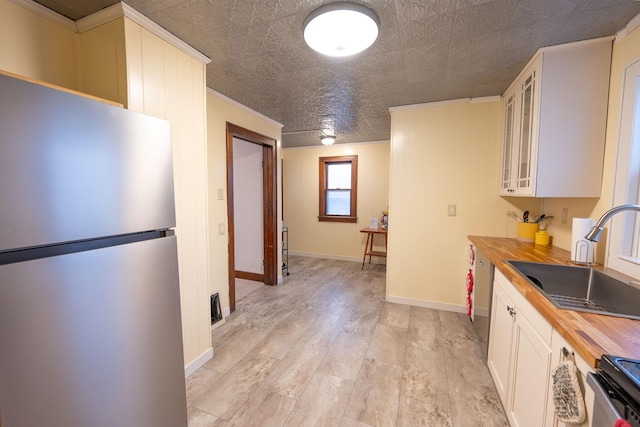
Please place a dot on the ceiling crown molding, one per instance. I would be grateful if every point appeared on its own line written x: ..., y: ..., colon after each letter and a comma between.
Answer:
x: 122, y: 9
x: 632, y: 25
x: 108, y: 14
x: 46, y: 13
x: 101, y: 17
x: 243, y: 107
x: 478, y: 100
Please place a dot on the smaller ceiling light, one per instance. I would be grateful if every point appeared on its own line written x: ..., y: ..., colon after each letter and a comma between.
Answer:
x: 328, y: 139
x: 341, y: 29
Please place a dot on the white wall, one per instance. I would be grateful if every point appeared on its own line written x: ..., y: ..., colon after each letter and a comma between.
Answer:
x: 248, y: 206
x: 310, y: 237
x: 221, y: 110
x: 441, y: 154
x: 170, y: 84
x: 33, y: 46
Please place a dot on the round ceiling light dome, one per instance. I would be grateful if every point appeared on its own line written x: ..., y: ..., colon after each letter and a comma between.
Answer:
x: 341, y: 29
x: 328, y: 139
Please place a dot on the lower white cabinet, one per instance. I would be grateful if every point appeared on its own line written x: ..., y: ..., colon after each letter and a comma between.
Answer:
x: 520, y: 356
x: 500, y: 340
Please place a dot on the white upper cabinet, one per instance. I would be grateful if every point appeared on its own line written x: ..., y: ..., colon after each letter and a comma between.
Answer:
x: 555, y: 115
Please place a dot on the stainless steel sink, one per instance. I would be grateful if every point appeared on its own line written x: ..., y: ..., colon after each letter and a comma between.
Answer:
x: 582, y: 288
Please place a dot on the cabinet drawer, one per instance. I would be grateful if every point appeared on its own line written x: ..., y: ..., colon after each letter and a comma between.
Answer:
x: 524, y: 308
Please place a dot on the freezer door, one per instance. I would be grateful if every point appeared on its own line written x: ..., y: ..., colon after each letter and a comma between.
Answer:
x: 72, y: 168
x: 93, y: 339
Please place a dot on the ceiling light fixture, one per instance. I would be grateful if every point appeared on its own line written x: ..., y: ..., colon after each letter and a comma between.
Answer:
x: 327, y: 139
x: 341, y: 29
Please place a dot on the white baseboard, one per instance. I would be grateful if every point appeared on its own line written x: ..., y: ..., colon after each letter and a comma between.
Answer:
x: 428, y: 304
x: 193, y: 366
x: 218, y: 323
x: 484, y: 312
x: 374, y: 260
x: 226, y: 312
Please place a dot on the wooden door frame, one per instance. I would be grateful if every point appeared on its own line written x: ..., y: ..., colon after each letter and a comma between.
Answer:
x: 269, y: 212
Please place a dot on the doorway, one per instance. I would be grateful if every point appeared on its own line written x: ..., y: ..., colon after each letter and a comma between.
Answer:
x: 260, y: 151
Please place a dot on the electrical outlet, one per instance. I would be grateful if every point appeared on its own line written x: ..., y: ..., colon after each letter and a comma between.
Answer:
x: 220, y: 194
x: 565, y: 214
x: 451, y: 210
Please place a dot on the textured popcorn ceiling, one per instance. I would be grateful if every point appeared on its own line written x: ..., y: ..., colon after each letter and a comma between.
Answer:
x: 427, y: 50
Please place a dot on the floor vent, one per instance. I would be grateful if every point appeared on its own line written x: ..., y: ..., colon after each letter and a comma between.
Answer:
x: 216, y: 312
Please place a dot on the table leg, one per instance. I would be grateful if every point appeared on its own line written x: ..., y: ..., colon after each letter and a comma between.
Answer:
x: 371, y: 247
x: 366, y: 245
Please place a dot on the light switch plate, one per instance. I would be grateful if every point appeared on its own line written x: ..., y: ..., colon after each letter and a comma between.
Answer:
x: 221, y: 228
x: 451, y: 210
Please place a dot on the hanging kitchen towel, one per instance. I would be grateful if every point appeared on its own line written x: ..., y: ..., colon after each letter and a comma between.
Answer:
x: 567, y: 396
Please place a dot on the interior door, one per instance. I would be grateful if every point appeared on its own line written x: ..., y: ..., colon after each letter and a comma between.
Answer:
x: 269, y: 206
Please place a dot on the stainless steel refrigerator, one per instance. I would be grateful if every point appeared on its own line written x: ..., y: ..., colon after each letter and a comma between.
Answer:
x: 90, y: 325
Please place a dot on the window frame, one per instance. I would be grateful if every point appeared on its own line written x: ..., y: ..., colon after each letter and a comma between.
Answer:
x: 620, y: 239
x: 324, y: 162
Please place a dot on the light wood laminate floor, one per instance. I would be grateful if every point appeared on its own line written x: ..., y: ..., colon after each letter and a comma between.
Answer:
x: 325, y: 349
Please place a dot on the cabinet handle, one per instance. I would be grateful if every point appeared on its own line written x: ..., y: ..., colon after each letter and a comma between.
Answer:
x: 511, y: 310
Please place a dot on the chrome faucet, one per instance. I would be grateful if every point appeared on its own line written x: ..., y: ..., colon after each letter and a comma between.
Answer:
x: 596, y: 231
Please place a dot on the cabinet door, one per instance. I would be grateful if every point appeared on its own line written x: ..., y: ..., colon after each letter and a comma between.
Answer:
x: 500, y: 339
x: 508, y: 147
x: 526, y: 114
x: 530, y: 376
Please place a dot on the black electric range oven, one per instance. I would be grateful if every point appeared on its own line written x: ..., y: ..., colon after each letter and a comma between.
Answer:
x: 616, y: 386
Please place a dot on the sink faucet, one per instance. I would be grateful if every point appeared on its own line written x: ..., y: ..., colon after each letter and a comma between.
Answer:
x: 596, y: 231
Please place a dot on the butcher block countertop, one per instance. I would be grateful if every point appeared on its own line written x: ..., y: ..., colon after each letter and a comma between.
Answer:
x: 591, y: 335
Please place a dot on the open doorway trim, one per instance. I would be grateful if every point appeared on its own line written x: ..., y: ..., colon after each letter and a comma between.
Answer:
x: 269, y: 206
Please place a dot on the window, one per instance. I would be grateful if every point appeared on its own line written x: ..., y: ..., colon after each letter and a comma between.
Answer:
x: 338, y: 189
x: 624, y: 243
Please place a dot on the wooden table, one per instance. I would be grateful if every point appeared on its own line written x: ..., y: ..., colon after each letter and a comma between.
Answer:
x: 368, y: 247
